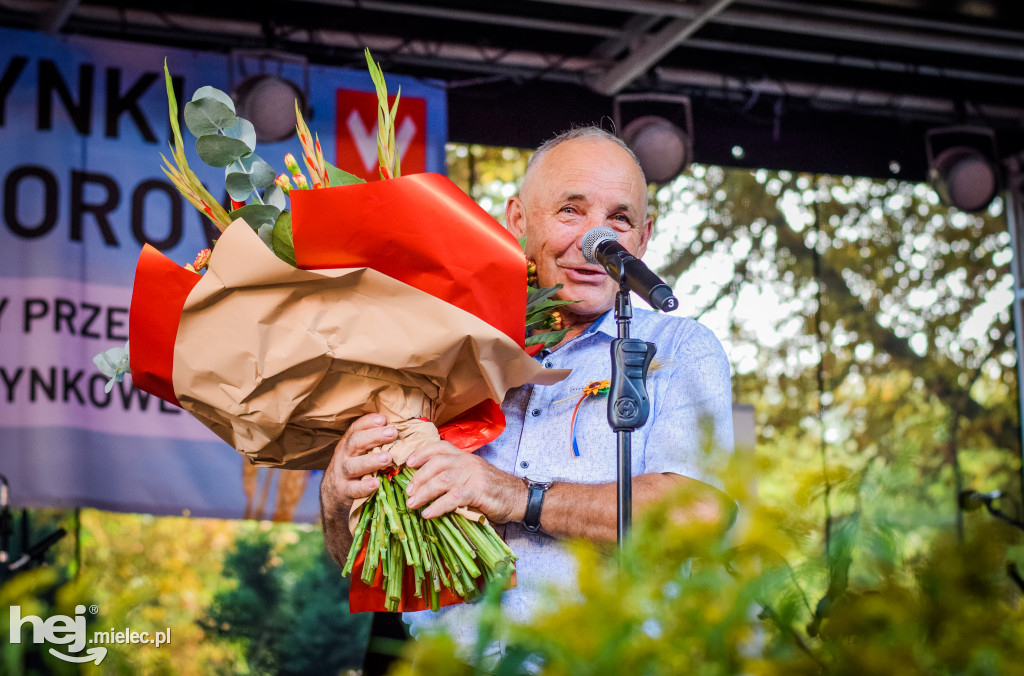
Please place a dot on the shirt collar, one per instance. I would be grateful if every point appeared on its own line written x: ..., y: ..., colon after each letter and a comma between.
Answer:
x: 605, y: 324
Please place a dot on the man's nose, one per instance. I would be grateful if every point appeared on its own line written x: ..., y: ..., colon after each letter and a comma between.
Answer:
x: 591, y: 221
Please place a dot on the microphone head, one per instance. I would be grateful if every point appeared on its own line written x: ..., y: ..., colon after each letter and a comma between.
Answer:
x: 594, y: 237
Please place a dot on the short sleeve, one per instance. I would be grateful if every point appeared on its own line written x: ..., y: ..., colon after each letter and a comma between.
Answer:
x: 693, y: 408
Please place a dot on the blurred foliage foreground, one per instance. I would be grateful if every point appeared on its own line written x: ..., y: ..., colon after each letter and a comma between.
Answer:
x: 682, y: 601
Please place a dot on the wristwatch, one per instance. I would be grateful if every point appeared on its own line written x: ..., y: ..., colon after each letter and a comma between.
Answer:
x: 536, y: 485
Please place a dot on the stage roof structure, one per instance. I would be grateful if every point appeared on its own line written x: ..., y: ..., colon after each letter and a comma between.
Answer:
x: 850, y: 86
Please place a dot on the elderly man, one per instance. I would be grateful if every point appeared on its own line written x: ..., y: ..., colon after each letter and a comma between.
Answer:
x: 529, y: 479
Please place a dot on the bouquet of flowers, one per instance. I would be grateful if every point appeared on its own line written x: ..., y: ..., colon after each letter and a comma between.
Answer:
x: 300, y: 320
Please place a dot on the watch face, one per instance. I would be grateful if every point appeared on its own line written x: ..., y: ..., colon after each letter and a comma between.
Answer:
x: 539, y: 480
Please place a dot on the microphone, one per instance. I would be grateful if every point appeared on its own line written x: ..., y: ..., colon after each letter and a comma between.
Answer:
x: 601, y: 246
x: 36, y: 551
x: 970, y: 500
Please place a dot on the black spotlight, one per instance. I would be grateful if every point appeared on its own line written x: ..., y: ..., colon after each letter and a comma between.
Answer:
x: 268, y: 101
x: 266, y: 97
x: 658, y: 129
x: 963, y: 167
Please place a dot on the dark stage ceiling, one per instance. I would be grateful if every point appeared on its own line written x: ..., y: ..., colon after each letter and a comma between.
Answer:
x: 842, y: 87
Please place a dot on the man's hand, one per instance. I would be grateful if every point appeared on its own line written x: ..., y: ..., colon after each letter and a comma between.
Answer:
x: 347, y: 478
x: 452, y: 478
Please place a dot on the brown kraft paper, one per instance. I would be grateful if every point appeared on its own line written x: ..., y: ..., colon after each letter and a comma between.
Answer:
x: 279, y: 361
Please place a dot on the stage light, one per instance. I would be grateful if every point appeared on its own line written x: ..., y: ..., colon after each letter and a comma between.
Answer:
x: 268, y: 101
x: 963, y: 167
x: 265, y: 92
x: 658, y: 129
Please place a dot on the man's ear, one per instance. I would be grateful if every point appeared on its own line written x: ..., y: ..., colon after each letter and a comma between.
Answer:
x: 515, y: 217
x: 645, y: 236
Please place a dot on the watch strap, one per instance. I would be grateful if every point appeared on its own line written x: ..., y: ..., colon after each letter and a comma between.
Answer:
x: 534, y: 503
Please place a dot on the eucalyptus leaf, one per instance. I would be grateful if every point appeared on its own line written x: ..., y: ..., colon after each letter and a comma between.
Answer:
x: 256, y: 215
x: 262, y: 173
x: 266, y: 233
x: 242, y: 130
x: 274, y: 196
x: 215, y: 94
x: 239, y: 186
x: 208, y: 116
x: 220, y: 151
x: 337, y: 176
x: 284, y: 247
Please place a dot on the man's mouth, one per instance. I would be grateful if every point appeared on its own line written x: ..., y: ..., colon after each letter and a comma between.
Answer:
x: 584, y: 274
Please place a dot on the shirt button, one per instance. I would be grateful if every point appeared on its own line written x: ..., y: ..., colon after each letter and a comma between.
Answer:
x: 547, y: 364
x: 535, y: 412
x: 524, y: 464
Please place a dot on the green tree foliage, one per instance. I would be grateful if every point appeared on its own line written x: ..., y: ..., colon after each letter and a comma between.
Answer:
x: 151, y: 574
x: 287, y: 609
x: 683, y: 600
x: 42, y: 592
x: 888, y: 324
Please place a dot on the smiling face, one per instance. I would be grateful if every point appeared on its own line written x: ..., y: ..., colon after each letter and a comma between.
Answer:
x: 578, y: 185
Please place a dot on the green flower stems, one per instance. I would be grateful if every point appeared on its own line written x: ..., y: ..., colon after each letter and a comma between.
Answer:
x: 449, y: 551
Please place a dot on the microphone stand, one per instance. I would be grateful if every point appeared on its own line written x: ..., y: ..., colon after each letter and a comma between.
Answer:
x: 628, y: 405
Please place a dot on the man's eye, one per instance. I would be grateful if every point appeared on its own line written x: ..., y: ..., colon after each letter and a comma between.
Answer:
x: 568, y: 209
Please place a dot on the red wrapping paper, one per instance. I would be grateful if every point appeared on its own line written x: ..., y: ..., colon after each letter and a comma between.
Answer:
x: 421, y: 230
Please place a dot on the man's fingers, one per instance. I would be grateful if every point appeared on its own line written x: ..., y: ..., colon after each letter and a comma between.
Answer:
x: 427, y: 476
x: 367, y: 421
x: 362, y: 488
x: 360, y: 465
x: 360, y: 441
x: 448, y: 502
x: 431, y: 450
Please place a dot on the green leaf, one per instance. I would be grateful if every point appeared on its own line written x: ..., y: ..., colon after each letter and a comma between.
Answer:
x: 239, y: 186
x: 220, y: 151
x: 208, y: 116
x: 262, y: 173
x: 274, y: 196
x: 266, y: 234
x: 172, y: 109
x: 282, y: 239
x: 242, y: 130
x: 534, y: 296
x: 215, y: 94
x: 248, y: 174
x: 548, y: 338
x: 341, y: 177
x: 256, y: 214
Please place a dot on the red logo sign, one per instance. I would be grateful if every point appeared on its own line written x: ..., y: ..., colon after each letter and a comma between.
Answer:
x: 357, y: 133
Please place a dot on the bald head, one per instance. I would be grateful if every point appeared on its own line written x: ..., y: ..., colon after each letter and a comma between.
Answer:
x: 588, y: 133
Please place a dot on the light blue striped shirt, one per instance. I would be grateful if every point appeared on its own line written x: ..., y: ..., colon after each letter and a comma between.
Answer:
x: 689, y: 386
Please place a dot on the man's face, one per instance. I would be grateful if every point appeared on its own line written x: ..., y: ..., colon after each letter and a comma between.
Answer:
x: 580, y: 185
